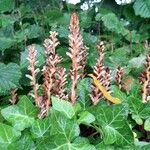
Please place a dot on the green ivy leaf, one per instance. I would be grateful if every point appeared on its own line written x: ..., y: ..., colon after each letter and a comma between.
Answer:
x: 6, y: 5
x: 119, y: 94
x: 27, y: 106
x: 61, y: 125
x: 40, y: 127
x: 60, y: 143
x: 83, y: 89
x: 147, y: 124
x: 86, y: 118
x: 142, y: 8
x: 138, y: 109
x: 63, y: 106
x: 102, y: 146
x: 137, y: 119
x: 7, y: 135
x: 9, y: 77
x: 25, y: 143
x: 21, y: 115
x: 114, y: 126
x: 7, y: 20
x: 139, y: 145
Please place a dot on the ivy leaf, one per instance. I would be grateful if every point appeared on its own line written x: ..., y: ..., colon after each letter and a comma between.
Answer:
x: 21, y: 116
x: 7, y: 20
x: 113, y: 124
x: 118, y: 93
x: 103, y: 146
x: 19, y: 120
x: 6, y: 5
x: 59, y: 143
x: 142, y: 8
x: 63, y: 106
x: 139, y: 145
x: 40, y: 127
x: 147, y: 124
x: 25, y: 143
x: 63, y: 126
x: 9, y: 77
x: 86, y: 118
x: 7, y: 135
x: 83, y: 89
x: 138, y: 109
x: 27, y: 106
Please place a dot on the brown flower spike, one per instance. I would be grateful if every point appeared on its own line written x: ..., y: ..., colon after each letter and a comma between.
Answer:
x: 52, y: 59
x: 102, y: 74
x: 33, y: 70
x: 53, y: 76
x: 145, y: 80
x: 119, y: 77
x: 77, y: 53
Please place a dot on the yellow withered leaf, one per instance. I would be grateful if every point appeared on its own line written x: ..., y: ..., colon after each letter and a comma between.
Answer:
x: 104, y: 91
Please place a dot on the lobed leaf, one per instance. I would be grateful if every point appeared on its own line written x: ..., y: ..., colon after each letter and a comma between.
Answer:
x: 22, y: 115
x: 63, y: 106
x: 114, y: 126
x: 9, y: 77
x: 7, y: 135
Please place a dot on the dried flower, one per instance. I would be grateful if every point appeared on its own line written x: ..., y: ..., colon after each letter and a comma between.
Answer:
x: 33, y: 70
x: 13, y: 96
x: 119, y: 77
x: 77, y: 53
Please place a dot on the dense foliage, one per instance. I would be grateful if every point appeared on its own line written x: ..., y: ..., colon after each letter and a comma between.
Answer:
x: 83, y: 126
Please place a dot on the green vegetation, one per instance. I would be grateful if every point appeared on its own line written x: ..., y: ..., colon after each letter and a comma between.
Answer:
x: 48, y: 101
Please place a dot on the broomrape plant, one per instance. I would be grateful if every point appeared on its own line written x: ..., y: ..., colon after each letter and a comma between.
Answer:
x: 54, y: 77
